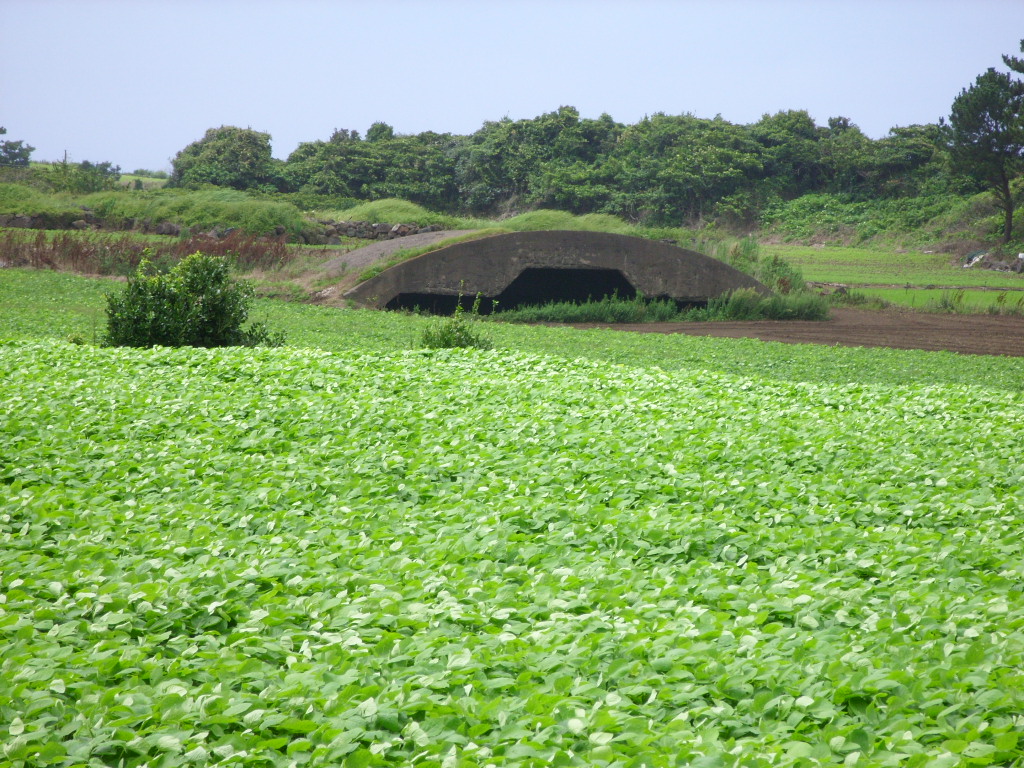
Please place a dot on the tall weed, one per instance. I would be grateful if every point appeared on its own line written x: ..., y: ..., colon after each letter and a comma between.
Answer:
x: 608, y: 309
x: 1003, y: 307
x: 457, y: 331
x: 103, y: 254
x: 743, y: 304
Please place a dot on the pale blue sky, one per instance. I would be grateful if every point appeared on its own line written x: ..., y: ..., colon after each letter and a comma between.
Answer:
x: 134, y: 81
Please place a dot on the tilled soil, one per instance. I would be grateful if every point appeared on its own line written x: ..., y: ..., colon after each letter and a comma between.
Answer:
x: 966, y: 334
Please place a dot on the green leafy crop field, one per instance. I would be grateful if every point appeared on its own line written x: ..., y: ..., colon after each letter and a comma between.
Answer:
x: 54, y: 305
x: 356, y: 553
x: 283, y: 557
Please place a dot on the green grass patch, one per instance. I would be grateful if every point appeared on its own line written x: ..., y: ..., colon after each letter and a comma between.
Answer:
x: 54, y: 210
x: 201, y: 210
x: 867, y: 266
x: 911, y: 220
x: 609, y: 309
x: 394, y: 211
x: 747, y: 304
x: 737, y: 305
x: 545, y: 219
x: 137, y: 181
x: 967, y: 301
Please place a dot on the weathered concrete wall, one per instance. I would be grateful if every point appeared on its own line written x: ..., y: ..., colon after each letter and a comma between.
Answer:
x: 487, y: 266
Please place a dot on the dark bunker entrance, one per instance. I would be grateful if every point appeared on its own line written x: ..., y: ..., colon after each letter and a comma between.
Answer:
x: 534, y: 286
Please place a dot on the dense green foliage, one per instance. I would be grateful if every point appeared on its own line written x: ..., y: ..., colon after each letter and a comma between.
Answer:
x: 228, y: 157
x: 77, y: 178
x: 277, y: 557
x: 196, y: 304
x: 843, y: 218
x: 664, y: 170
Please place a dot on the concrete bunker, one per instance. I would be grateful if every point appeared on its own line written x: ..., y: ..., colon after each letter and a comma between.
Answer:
x: 540, y: 267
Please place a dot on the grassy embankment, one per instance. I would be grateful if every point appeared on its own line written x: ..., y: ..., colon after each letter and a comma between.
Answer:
x: 877, y: 249
x: 909, y: 252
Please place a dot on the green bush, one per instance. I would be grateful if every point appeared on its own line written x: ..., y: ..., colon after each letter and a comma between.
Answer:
x: 196, y: 304
x: 456, y: 331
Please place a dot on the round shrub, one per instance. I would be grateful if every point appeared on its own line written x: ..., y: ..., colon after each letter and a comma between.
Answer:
x: 196, y: 304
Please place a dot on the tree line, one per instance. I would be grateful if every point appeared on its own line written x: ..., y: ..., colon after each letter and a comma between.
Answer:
x: 663, y: 170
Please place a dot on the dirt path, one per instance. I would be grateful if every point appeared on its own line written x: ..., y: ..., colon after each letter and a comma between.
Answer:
x: 363, y: 257
x: 966, y: 334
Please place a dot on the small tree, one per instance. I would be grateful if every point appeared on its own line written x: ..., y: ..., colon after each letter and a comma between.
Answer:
x: 196, y: 304
x: 987, y: 137
x: 14, y: 153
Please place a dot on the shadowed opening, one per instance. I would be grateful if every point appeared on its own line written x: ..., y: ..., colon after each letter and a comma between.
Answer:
x: 543, y: 285
x: 534, y: 286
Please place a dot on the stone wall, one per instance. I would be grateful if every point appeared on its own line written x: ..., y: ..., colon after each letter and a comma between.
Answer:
x: 367, y: 230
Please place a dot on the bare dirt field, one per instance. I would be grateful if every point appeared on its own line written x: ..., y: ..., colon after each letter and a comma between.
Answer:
x: 966, y: 334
